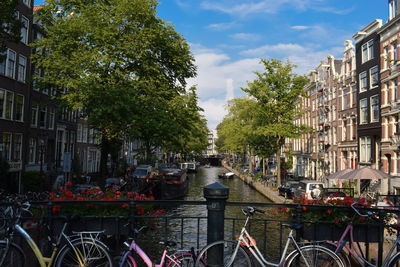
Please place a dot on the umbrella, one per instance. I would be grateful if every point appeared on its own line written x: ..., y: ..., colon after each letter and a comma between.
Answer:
x: 365, y: 173
x: 339, y: 174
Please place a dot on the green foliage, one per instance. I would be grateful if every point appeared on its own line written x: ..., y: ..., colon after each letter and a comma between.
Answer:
x: 10, y: 25
x: 124, y: 67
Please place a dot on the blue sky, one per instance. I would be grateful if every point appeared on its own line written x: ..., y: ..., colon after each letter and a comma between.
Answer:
x: 228, y: 38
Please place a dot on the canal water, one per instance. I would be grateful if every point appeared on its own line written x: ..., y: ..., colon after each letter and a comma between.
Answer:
x: 192, y: 231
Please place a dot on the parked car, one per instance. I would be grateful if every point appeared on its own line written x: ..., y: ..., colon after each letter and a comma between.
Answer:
x: 142, y: 171
x: 309, y: 189
x: 287, y: 189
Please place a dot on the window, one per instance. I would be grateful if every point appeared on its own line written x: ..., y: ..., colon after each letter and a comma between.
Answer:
x: 365, y: 149
x: 51, y: 118
x: 19, y: 108
x: 6, y: 104
x: 363, y: 111
x: 344, y: 130
x: 3, y: 63
x: 394, y: 52
x: 10, y: 69
x: 363, y: 81
x: 32, y: 150
x: 34, y: 120
x: 387, y: 93
x: 79, y: 133
x: 392, y: 9
x: 24, y: 30
x: 84, y: 134
x: 375, y: 108
x: 7, y: 146
x: 374, y: 79
x: 21, y: 68
x: 367, y: 51
x: 396, y: 91
x: 386, y: 57
x: 354, y: 88
x: 17, y: 147
x: 345, y: 98
x: 43, y: 117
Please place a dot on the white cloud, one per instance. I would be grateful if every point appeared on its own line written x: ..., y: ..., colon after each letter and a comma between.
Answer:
x: 270, y: 6
x: 214, y: 111
x: 246, y: 36
x: 221, y: 26
x: 300, y: 27
x: 280, y: 49
x: 230, y: 94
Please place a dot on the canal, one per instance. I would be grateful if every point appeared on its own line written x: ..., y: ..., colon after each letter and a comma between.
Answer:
x: 192, y: 231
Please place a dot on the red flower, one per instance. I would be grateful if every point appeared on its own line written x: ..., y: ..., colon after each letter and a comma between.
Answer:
x: 140, y: 211
x: 329, y: 211
x: 69, y: 183
x: 125, y: 205
x: 130, y: 194
x: 304, y: 208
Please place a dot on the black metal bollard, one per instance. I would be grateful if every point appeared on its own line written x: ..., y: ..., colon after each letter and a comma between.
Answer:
x: 216, y: 195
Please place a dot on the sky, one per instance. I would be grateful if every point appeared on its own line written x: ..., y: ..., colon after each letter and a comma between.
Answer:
x: 229, y: 37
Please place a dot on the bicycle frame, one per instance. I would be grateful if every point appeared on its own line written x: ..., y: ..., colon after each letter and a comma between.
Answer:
x: 47, y: 261
x: 355, y: 252
x: 135, y: 247
x: 244, y: 237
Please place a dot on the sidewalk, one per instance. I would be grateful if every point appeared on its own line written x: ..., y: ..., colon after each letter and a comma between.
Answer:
x: 260, y: 187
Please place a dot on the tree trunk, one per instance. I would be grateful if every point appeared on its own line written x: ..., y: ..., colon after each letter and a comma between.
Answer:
x: 278, y: 165
x: 104, y: 157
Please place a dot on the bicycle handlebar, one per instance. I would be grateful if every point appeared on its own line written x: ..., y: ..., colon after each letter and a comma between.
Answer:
x: 251, y: 210
x: 369, y: 213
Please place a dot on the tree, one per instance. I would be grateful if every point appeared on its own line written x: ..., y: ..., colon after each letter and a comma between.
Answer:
x: 115, y: 60
x: 276, y: 91
x: 10, y: 25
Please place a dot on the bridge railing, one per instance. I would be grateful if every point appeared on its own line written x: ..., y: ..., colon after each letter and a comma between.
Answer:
x: 209, y: 223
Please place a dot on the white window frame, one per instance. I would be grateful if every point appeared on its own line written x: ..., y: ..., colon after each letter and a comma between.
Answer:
x: 21, y: 108
x: 34, y: 113
x: 363, y: 110
x: 365, y: 149
x: 32, y: 151
x: 24, y: 30
x: 7, y: 107
x: 52, y: 116
x: 372, y: 85
x: 367, y: 51
x: 44, y: 110
x: 27, y: 2
x: 21, y: 68
x: 8, y: 67
x: 6, y: 153
x: 17, y: 148
x: 373, y: 118
x: 363, y: 75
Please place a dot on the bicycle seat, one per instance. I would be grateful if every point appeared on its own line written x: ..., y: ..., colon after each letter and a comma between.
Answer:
x: 295, y: 226
x: 168, y: 243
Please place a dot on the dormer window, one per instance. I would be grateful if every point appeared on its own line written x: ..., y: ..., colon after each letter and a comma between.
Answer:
x: 392, y: 9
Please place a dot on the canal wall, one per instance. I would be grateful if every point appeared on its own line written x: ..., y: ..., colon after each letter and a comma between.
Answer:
x: 260, y: 187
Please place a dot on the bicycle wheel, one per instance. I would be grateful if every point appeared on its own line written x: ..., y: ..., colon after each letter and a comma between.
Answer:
x: 92, y: 252
x: 14, y: 256
x: 207, y: 255
x: 315, y: 256
x: 395, y: 261
x: 344, y: 257
x: 127, y: 261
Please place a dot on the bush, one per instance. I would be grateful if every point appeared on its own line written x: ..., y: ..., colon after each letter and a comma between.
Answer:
x: 31, y: 181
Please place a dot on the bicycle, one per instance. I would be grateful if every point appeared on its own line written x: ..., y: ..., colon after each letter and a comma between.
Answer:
x: 181, y: 259
x: 81, y: 249
x: 238, y: 252
x: 347, y: 251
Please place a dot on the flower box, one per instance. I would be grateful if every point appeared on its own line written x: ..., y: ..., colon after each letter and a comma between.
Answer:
x: 333, y: 232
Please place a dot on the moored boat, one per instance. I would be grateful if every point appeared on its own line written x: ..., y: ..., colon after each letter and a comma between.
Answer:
x: 226, y: 175
x: 170, y: 183
x: 189, y: 166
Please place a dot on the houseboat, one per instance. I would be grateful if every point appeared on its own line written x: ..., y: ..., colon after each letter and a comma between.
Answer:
x: 226, y: 175
x: 170, y: 183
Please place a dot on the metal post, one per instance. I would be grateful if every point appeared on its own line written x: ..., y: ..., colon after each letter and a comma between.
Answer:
x: 216, y: 195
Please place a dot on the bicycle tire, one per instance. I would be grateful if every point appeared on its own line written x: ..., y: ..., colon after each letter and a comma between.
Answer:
x: 242, y: 259
x: 395, y: 260
x: 14, y: 257
x: 343, y: 255
x: 93, y: 252
x: 315, y: 255
x: 127, y: 260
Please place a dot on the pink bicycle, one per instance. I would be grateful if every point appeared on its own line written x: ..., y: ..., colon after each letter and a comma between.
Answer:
x: 181, y: 259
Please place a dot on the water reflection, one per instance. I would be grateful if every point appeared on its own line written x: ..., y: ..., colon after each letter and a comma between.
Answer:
x: 193, y: 231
